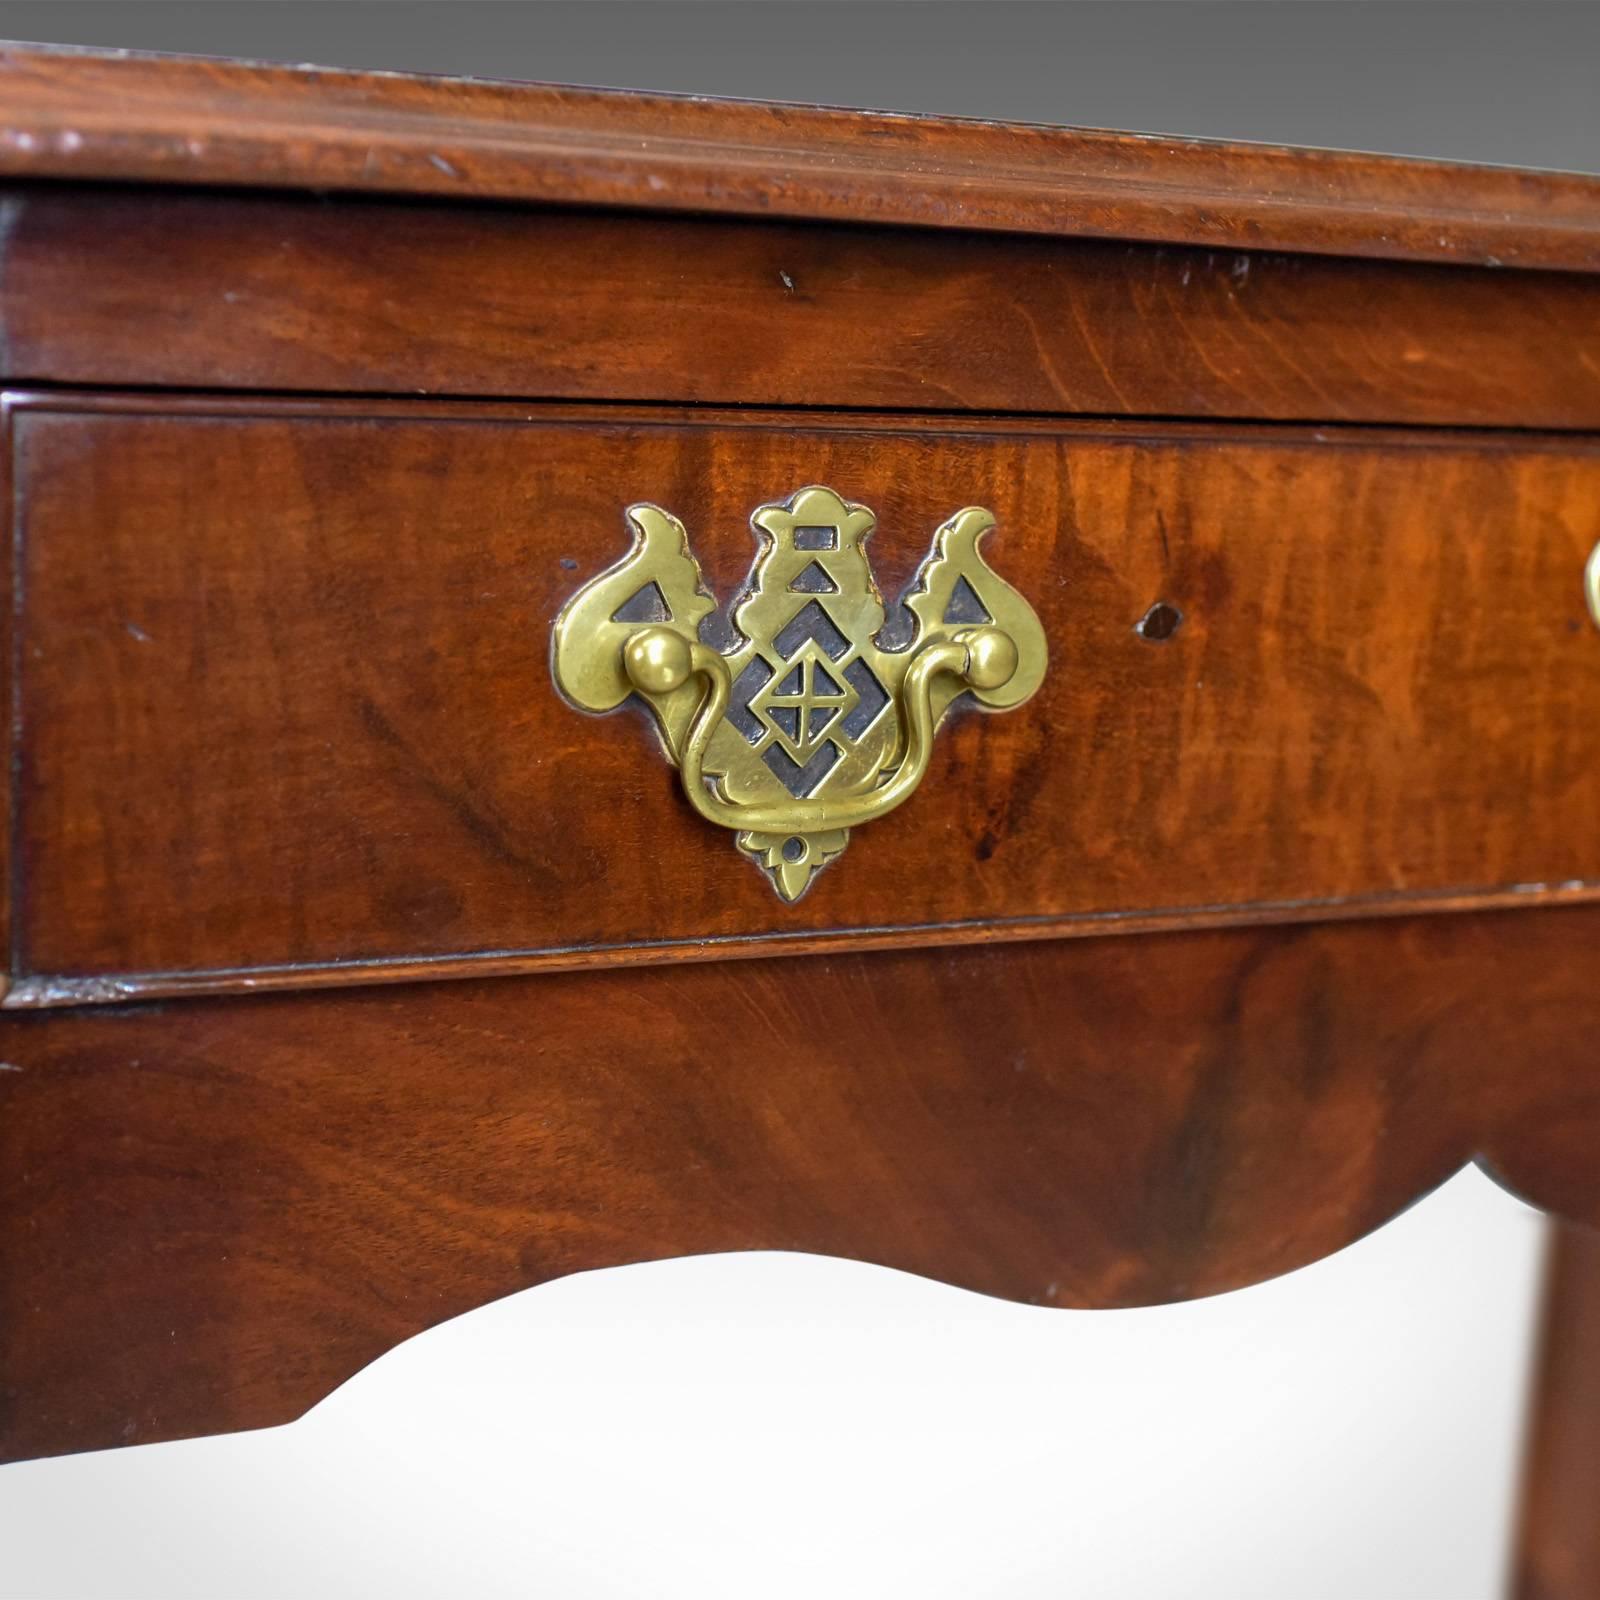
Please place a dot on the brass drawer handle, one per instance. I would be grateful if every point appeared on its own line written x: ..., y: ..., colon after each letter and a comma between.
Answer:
x: 1591, y: 584
x: 808, y: 727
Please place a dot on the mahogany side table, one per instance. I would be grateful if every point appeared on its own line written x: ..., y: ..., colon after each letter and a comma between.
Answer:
x: 1102, y: 803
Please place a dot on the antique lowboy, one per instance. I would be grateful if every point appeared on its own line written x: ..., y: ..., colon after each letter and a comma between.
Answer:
x: 368, y: 438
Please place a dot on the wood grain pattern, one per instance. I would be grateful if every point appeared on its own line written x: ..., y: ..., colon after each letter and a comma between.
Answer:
x: 1558, y: 1537
x: 281, y: 714
x: 262, y: 292
x: 285, y: 699
x: 126, y: 117
x: 219, y: 1209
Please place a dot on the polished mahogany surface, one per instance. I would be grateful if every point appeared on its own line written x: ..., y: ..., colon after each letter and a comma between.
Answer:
x: 1558, y: 1550
x: 220, y: 1208
x: 283, y: 686
x: 324, y: 391
x: 265, y: 291
x: 87, y: 115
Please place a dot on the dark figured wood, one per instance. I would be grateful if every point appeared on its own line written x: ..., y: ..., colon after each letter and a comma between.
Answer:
x: 77, y: 114
x: 279, y: 715
x: 263, y: 292
x: 285, y: 701
x: 217, y: 1210
x: 1558, y: 1544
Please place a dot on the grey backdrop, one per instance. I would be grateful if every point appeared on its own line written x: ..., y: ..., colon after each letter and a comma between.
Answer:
x: 1512, y: 83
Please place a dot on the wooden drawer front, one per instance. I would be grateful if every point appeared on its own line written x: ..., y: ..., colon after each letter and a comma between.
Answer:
x: 454, y: 300
x: 284, y: 698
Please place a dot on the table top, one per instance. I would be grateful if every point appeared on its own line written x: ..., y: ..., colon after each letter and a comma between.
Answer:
x: 126, y: 117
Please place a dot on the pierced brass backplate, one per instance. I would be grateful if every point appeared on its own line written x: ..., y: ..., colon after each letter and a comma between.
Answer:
x: 809, y: 727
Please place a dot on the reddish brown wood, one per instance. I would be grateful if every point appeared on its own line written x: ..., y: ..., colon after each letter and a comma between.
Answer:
x: 1558, y: 1549
x: 284, y: 685
x: 280, y: 715
x: 174, y: 120
x: 282, y: 293
x: 217, y: 1210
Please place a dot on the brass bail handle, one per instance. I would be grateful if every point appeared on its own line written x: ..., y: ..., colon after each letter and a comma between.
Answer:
x: 659, y: 660
x: 808, y: 725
